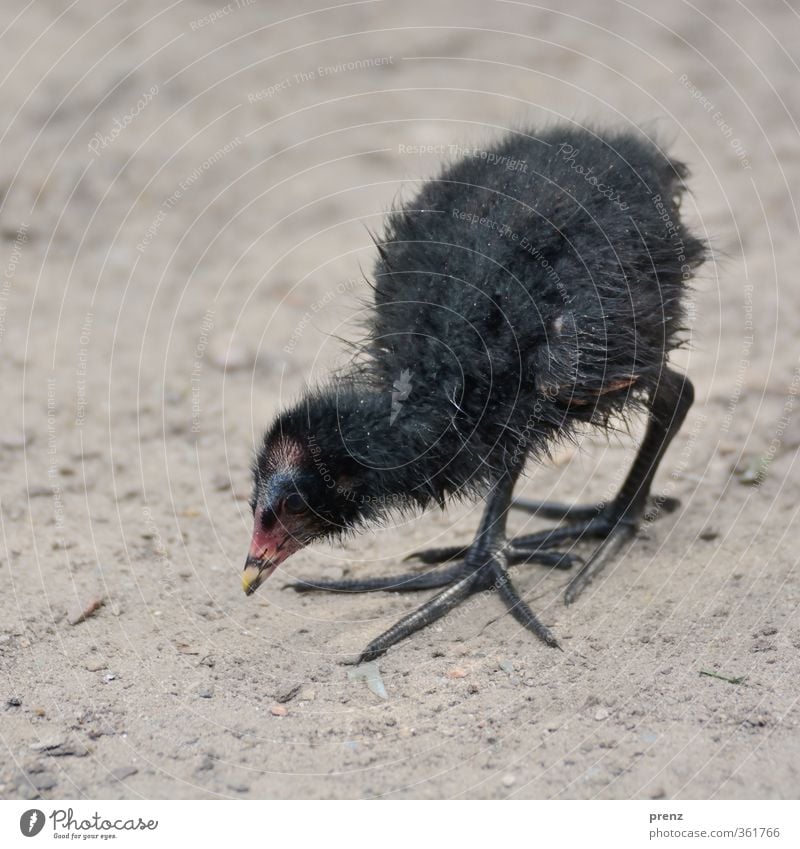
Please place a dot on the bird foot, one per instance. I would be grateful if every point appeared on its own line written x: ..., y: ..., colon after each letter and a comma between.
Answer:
x: 605, y: 522
x: 478, y: 571
x: 480, y: 568
x: 588, y: 520
x: 514, y: 550
x: 654, y: 507
x: 613, y: 523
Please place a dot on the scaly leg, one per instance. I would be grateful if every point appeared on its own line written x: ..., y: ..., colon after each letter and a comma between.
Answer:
x: 669, y: 405
x: 616, y: 522
x: 483, y: 567
x: 390, y: 583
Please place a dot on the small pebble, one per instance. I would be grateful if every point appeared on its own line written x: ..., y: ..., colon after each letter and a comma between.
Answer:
x: 17, y: 440
x: 14, y: 701
x: 601, y: 715
x: 48, y: 744
x: 221, y: 483
x: 370, y: 673
x: 456, y: 672
x: 83, y: 611
x: 43, y: 781
x: 123, y: 772
x: 230, y: 357
x: 288, y: 694
x: 205, y: 693
x: 509, y: 780
x: 59, y: 747
x: 506, y: 665
x: 278, y: 710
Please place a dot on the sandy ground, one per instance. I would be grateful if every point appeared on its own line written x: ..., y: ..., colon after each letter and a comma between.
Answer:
x: 186, y: 192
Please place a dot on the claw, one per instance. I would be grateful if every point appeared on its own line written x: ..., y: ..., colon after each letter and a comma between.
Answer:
x: 553, y: 559
x: 606, y: 552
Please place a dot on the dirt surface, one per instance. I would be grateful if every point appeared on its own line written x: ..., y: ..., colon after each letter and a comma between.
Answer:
x: 186, y: 192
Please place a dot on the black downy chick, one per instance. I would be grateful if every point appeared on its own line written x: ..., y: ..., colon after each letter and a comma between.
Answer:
x: 532, y: 287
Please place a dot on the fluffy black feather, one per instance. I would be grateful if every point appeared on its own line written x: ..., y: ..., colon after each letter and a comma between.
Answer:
x: 532, y: 286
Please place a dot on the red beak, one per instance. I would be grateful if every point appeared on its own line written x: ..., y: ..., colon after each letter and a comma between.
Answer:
x: 268, y: 549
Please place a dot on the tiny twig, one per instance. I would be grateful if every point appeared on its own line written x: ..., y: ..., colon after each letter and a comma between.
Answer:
x: 739, y: 680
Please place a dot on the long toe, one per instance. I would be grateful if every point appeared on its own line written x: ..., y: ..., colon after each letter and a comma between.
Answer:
x: 389, y: 583
x: 574, y: 532
x: 558, y: 510
x: 551, y: 559
x: 432, y: 610
x: 605, y: 553
x: 439, y: 555
x: 520, y: 609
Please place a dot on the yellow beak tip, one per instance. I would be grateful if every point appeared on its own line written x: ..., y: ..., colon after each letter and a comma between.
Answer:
x: 250, y: 579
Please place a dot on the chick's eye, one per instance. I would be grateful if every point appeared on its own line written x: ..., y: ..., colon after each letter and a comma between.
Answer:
x: 294, y: 503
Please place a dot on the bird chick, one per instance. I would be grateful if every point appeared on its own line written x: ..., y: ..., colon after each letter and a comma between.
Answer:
x: 532, y: 288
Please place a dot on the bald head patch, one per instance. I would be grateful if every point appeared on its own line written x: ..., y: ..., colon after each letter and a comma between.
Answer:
x: 285, y: 453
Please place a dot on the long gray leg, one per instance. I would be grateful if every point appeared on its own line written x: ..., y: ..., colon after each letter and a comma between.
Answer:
x: 437, y: 607
x: 485, y: 569
x: 669, y: 405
